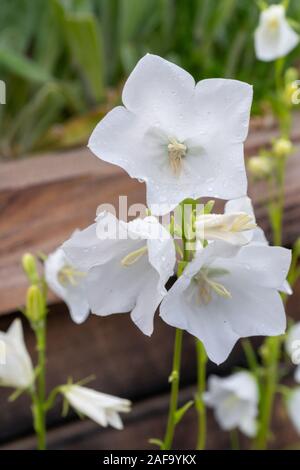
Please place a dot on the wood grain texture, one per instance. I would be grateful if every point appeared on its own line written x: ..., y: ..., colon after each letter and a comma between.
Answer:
x: 44, y: 199
x: 147, y: 420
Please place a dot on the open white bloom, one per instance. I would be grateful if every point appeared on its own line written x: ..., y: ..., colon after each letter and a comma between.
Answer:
x: 16, y: 368
x: 182, y: 139
x: 274, y: 37
x: 235, y: 226
x: 256, y: 236
x: 235, y: 401
x: 102, y: 408
x: 68, y: 283
x: 292, y: 346
x: 127, y: 271
x: 229, y: 292
x: 293, y: 408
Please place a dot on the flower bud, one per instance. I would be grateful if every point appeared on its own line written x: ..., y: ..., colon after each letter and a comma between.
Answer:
x: 282, y: 147
x: 259, y: 167
x: 30, y: 268
x: 291, y: 75
x: 35, y: 304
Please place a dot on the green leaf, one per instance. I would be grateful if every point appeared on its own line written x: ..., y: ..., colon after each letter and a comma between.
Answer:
x: 22, y: 66
x: 84, y: 39
x: 181, y: 411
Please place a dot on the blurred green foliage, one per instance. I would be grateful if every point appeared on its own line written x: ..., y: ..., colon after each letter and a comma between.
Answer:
x: 58, y: 57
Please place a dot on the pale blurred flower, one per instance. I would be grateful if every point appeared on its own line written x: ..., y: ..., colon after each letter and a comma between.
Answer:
x: 282, y: 147
x: 229, y: 292
x: 274, y: 37
x: 16, y: 368
x: 292, y: 346
x: 102, y: 408
x: 68, y: 283
x: 293, y: 408
x: 260, y: 167
x: 235, y: 401
x: 126, y: 273
x: 182, y: 139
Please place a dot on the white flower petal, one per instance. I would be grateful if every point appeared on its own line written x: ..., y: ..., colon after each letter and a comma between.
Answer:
x: 73, y: 295
x: 248, y: 422
x: 119, y: 139
x: 253, y: 274
x: 100, y: 407
x: 292, y: 341
x: 147, y: 302
x: 243, y: 384
x: 16, y: 370
x: 242, y: 204
x: 113, y: 288
x: 209, y: 120
x: 297, y: 374
x: 223, y: 110
x: 205, y: 322
x: 269, y: 263
x: 98, y: 243
x: 235, y: 401
x: 114, y: 420
x: 160, y: 92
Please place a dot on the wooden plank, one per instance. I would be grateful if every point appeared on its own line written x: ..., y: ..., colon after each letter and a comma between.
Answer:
x: 148, y: 420
x: 126, y: 363
x: 43, y: 199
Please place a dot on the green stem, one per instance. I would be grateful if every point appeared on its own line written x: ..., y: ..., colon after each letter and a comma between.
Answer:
x: 250, y: 355
x: 40, y: 331
x: 234, y: 440
x: 201, y: 386
x: 272, y: 346
x: 174, y: 378
x: 269, y: 390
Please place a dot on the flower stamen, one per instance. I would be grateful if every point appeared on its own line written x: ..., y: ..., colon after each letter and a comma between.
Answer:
x: 134, y: 256
x: 243, y: 222
x: 68, y: 275
x: 176, y: 152
x: 207, y: 284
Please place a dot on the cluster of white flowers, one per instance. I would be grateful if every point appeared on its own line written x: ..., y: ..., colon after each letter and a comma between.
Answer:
x: 184, y: 140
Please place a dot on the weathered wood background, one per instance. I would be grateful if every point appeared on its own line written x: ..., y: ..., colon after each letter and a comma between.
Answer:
x: 42, y: 200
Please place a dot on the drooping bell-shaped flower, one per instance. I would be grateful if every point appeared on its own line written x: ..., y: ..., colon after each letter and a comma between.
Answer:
x: 102, y: 408
x: 68, y: 283
x: 16, y: 368
x: 274, y: 37
x: 127, y: 266
x: 229, y: 292
x: 182, y: 139
x: 235, y: 401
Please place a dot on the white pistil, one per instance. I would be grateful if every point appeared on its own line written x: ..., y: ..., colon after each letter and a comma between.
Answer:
x: 68, y: 275
x: 207, y: 283
x: 176, y: 152
x: 134, y: 256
